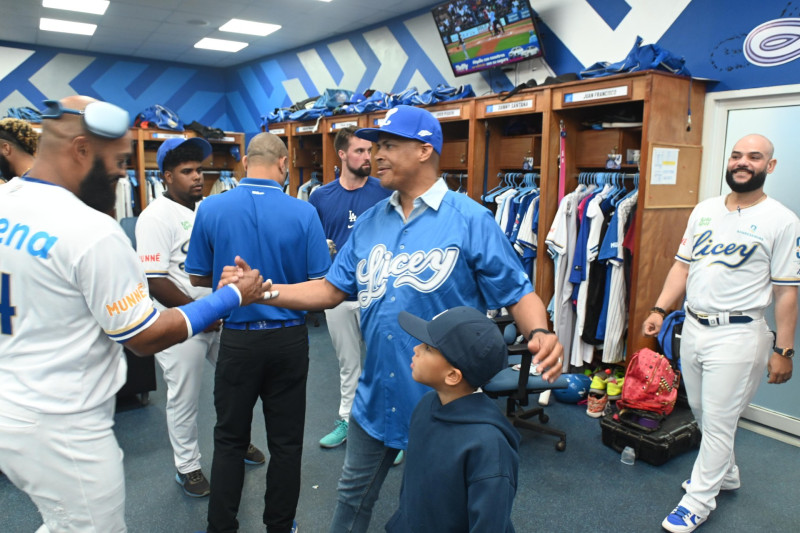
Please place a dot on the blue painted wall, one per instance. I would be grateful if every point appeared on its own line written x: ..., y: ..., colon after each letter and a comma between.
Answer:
x: 740, y: 43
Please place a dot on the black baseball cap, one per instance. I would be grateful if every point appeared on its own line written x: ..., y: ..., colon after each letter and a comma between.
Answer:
x: 467, y: 338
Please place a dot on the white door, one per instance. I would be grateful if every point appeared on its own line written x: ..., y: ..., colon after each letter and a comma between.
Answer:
x: 780, y: 125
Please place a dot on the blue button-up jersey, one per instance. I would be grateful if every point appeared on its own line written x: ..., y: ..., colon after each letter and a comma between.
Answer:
x: 449, y: 253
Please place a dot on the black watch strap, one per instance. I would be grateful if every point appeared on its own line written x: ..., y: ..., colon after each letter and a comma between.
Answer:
x: 786, y: 352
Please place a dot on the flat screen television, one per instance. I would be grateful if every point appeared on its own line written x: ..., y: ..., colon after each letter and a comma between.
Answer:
x: 484, y: 34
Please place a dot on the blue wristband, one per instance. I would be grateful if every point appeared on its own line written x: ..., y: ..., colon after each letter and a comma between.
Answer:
x: 203, y: 312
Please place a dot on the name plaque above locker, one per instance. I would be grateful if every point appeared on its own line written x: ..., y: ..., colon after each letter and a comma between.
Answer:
x: 306, y: 129
x: 278, y: 131
x: 168, y: 136
x: 597, y: 94
x: 228, y: 139
x: 339, y: 125
x: 509, y: 106
x: 447, y: 113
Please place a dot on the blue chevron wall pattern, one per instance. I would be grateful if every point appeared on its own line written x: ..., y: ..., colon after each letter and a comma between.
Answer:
x: 741, y: 46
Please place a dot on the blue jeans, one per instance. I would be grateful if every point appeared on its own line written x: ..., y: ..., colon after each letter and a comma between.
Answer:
x: 366, y: 463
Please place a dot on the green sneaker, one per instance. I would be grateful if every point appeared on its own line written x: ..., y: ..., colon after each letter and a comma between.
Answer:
x: 399, y: 458
x: 336, y: 437
x: 599, y: 380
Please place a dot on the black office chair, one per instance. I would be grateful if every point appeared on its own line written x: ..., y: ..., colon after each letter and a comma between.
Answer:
x: 517, y: 386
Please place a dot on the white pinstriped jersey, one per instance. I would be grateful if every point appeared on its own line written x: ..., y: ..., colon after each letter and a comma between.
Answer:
x: 162, y: 242
x: 71, y: 286
x: 736, y: 256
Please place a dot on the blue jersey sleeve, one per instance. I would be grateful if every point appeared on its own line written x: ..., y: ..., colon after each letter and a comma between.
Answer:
x: 318, y: 256
x: 501, y: 278
x: 341, y: 272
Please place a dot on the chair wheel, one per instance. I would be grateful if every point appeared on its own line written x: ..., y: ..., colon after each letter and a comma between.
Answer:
x: 543, y: 418
x: 561, y: 445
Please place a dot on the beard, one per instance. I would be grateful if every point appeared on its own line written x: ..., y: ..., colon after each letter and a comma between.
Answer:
x: 5, y: 168
x: 361, y: 172
x: 98, y: 189
x: 756, y: 181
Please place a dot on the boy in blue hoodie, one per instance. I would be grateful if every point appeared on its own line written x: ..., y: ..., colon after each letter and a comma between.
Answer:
x: 462, y: 461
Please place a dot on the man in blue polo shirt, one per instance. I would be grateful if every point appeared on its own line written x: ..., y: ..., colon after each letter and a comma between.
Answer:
x: 263, y: 350
x: 427, y: 249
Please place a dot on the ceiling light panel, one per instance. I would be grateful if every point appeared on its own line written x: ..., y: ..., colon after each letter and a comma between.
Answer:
x: 66, y: 26
x: 221, y: 45
x: 249, y: 27
x: 96, y: 7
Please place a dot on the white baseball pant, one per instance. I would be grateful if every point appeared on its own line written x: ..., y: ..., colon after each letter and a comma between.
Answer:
x: 183, y: 366
x: 722, y: 367
x: 69, y: 464
x: 344, y: 326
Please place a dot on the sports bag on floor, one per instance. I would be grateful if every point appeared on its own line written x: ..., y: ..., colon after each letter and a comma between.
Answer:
x: 651, y: 384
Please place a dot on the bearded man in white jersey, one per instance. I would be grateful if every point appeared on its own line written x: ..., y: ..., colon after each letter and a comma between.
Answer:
x: 71, y: 292
x: 162, y: 241
x: 739, y: 251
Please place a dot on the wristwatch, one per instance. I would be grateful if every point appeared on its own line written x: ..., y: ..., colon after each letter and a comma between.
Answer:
x: 786, y: 352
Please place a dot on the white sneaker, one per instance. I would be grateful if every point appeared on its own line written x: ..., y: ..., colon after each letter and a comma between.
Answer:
x: 682, y: 520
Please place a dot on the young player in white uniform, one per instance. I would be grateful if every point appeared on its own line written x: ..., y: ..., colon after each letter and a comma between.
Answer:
x: 738, y: 252
x: 162, y: 242
x: 71, y: 289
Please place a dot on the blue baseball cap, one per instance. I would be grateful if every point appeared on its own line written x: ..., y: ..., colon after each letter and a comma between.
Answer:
x: 409, y: 122
x: 469, y: 341
x: 174, y: 142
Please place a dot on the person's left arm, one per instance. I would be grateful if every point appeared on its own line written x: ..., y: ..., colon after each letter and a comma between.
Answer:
x: 531, y: 316
x: 489, y: 503
x: 780, y: 367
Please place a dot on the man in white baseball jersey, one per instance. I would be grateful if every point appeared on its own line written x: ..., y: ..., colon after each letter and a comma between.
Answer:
x: 71, y: 291
x: 339, y: 204
x: 162, y: 237
x: 739, y: 251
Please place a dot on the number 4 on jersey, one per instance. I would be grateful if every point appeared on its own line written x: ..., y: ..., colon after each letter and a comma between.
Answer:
x: 7, y: 311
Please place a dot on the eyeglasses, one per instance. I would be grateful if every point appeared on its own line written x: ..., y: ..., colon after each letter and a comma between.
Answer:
x: 100, y: 118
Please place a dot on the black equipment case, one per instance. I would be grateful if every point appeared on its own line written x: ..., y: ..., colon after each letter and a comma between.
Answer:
x: 678, y: 433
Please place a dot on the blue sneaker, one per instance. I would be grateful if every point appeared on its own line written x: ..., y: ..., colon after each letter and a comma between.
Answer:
x: 294, y: 526
x: 336, y: 437
x: 682, y: 520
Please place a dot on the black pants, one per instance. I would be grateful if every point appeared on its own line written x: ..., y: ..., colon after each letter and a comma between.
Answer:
x: 273, y: 365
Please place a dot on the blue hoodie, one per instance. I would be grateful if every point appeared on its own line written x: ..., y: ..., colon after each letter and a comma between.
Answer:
x: 461, y: 468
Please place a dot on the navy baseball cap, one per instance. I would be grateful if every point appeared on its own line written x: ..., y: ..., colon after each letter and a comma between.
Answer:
x: 171, y: 144
x: 409, y: 122
x: 469, y: 341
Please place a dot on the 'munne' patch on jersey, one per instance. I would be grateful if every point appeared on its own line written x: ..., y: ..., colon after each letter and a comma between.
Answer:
x: 21, y: 237
x: 150, y: 258
x: 127, y: 302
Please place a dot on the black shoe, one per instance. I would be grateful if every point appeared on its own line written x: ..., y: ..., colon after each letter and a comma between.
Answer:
x: 254, y: 456
x: 194, y: 483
